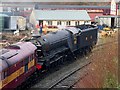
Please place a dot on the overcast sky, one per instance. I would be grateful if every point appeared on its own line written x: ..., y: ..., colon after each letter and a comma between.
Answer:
x: 57, y: 0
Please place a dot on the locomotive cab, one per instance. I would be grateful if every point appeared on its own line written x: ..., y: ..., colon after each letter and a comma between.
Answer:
x: 39, y: 51
x: 37, y: 43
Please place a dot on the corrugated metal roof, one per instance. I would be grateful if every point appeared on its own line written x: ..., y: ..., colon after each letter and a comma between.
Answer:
x: 3, y: 15
x: 72, y: 6
x: 109, y: 16
x: 93, y: 15
x: 61, y: 15
x: 12, y: 13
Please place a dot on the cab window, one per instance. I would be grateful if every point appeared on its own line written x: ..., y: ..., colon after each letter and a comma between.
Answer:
x: 26, y: 64
x: 0, y: 76
x: 26, y: 60
x: 26, y: 67
x: 5, y: 74
x: 31, y: 57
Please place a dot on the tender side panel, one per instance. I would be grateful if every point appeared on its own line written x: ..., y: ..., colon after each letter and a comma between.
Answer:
x: 88, y: 38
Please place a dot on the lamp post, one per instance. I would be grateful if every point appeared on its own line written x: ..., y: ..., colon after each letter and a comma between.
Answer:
x: 13, y: 11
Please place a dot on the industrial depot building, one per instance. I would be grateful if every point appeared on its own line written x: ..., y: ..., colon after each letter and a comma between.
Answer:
x: 64, y: 15
x: 112, y: 20
x: 12, y: 23
x: 59, y: 17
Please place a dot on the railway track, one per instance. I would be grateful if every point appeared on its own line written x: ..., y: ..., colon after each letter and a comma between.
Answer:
x: 67, y: 76
x: 55, y: 82
x: 58, y: 76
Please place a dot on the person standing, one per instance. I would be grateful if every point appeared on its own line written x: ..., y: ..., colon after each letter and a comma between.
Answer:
x: 45, y: 29
x: 40, y: 29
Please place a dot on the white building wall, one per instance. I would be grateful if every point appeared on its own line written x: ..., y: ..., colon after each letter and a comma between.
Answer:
x: 54, y: 23
x: 81, y: 22
x: 105, y: 21
x: 45, y: 23
x: 9, y: 9
x: 72, y: 23
x: 118, y: 12
x: 13, y: 22
x: 108, y: 21
x: 113, y: 7
x: 63, y: 23
x: 118, y: 22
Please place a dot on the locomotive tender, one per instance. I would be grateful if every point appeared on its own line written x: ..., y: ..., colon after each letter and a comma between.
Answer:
x: 19, y: 61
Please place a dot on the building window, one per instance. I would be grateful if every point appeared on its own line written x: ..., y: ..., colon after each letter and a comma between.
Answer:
x: 49, y: 22
x: 18, y: 9
x: 118, y: 6
x: 63, y: 23
x: 77, y: 23
x: 25, y: 9
x: 118, y: 23
x: 5, y: 9
x: 29, y: 8
x: 9, y: 9
x: 87, y: 21
x: 58, y: 22
x: 68, y: 23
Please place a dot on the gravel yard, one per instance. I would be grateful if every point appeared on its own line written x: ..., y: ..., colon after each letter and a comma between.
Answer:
x: 103, y: 71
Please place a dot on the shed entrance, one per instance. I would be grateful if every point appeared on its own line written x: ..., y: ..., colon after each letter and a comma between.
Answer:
x: 112, y: 22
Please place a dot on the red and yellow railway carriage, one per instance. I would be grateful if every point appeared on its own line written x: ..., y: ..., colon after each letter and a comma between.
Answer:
x: 17, y: 63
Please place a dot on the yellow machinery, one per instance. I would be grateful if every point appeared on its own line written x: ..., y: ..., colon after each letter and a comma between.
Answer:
x: 107, y: 31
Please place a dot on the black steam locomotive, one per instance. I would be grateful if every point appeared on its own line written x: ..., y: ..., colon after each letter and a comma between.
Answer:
x: 57, y: 46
